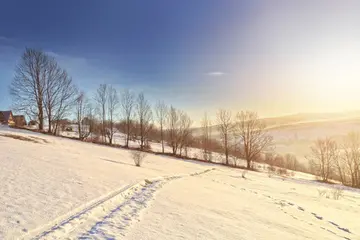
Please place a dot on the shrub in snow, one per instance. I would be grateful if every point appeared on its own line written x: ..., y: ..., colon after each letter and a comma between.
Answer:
x: 337, y: 193
x: 138, y: 157
x: 321, y: 192
x: 271, y: 170
x: 243, y: 175
x: 282, y: 172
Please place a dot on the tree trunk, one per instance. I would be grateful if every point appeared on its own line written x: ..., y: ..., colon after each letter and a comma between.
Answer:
x: 79, y: 130
x: 226, y: 151
x: 248, y: 164
x: 162, y: 139
x: 49, y: 122
x: 41, y: 116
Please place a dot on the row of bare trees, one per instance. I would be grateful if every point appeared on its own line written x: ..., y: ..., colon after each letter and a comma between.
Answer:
x: 332, y: 160
x: 242, y: 136
x: 42, y: 89
x: 134, y: 117
x: 45, y: 91
x: 287, y: 161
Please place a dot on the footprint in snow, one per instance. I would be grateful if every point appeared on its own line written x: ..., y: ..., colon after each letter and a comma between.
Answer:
x: 340, y: 228
x: 318, y: 217
x: 300, y: 208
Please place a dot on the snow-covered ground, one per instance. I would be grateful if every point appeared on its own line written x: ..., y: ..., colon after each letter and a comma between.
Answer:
x: 56, y: 188
x: 44, y: 180
x: 223, y: 205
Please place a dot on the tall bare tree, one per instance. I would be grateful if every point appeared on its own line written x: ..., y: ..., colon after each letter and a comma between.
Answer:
x: 113, y: 104
x: 348, y: 163
x: 291, y: 162
x: 206, y: 137
x: 253, y: 136
x: 83, y: 116
x: 323, y: 157
x: 59, y: 94
x: 101, y: 98
x: 173, y: 125
x: 225, y: 127
x: 127, y: 108
x: 144, y: 114
x: 184, y: 133
x: 161, y: 111
x: 27, y: 87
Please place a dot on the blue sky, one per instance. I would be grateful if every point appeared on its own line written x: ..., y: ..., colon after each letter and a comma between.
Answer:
x: 274, y: 57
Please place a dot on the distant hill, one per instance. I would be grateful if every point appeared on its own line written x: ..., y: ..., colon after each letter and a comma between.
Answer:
x: 288, y: 120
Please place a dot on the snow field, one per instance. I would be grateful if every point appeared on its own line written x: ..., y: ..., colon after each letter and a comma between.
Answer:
x: 56, y: 188
x: 41, y: 181
x: 223, y: 205
x: 109, y: 217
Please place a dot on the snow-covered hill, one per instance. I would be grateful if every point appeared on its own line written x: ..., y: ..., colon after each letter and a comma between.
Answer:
x: 56, y: 188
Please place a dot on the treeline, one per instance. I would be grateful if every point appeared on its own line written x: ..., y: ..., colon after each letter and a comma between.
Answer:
x: 340, y: 160
x: 44, y: 91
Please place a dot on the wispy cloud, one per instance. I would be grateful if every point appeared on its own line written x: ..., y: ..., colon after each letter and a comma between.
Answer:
x: 215, y: 74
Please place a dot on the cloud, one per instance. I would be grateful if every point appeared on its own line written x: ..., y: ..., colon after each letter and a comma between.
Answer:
x: 215, y: 74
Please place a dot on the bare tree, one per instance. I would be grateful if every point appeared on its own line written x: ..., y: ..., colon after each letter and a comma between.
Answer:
x: 127, y: 108
x: 144, y: 115
x: 348, y: 164
x: 225, y: 127
x: 83, y: 116
x: 161, y: 111
x: 173, y: 125
x: 52, y: 89
x: 253, y: 136
x: 323, y: 157
x: 27, y: 87
x: 113, y: 103
x: 206, y: 137
x: 291, y: 162
x: 101, y: 98
x: 59, y: 94
x: 184, y: 133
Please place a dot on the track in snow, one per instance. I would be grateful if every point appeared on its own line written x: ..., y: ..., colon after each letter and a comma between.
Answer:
x: 110, y: 216
x: 300, y: 213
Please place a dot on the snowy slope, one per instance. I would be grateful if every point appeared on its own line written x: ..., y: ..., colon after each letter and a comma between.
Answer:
x: 55, y: 188
x: 44, y: 180
x: 222, y: 205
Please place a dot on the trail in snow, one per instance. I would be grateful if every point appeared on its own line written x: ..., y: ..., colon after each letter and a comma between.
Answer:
x: 111, y: 217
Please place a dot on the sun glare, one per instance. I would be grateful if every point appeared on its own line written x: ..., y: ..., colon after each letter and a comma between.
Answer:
x: 335, y: 78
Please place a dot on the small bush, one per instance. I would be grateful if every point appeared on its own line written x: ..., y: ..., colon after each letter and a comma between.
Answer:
x: 243, y: 174
x: 322, y: 192
x: 337, y: 193
x: 271, y: 170
x: 282, y: 172
x: 138, y: 157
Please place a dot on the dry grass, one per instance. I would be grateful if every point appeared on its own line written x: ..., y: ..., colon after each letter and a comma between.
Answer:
x: 22, y: 138
x: 40, y: 139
